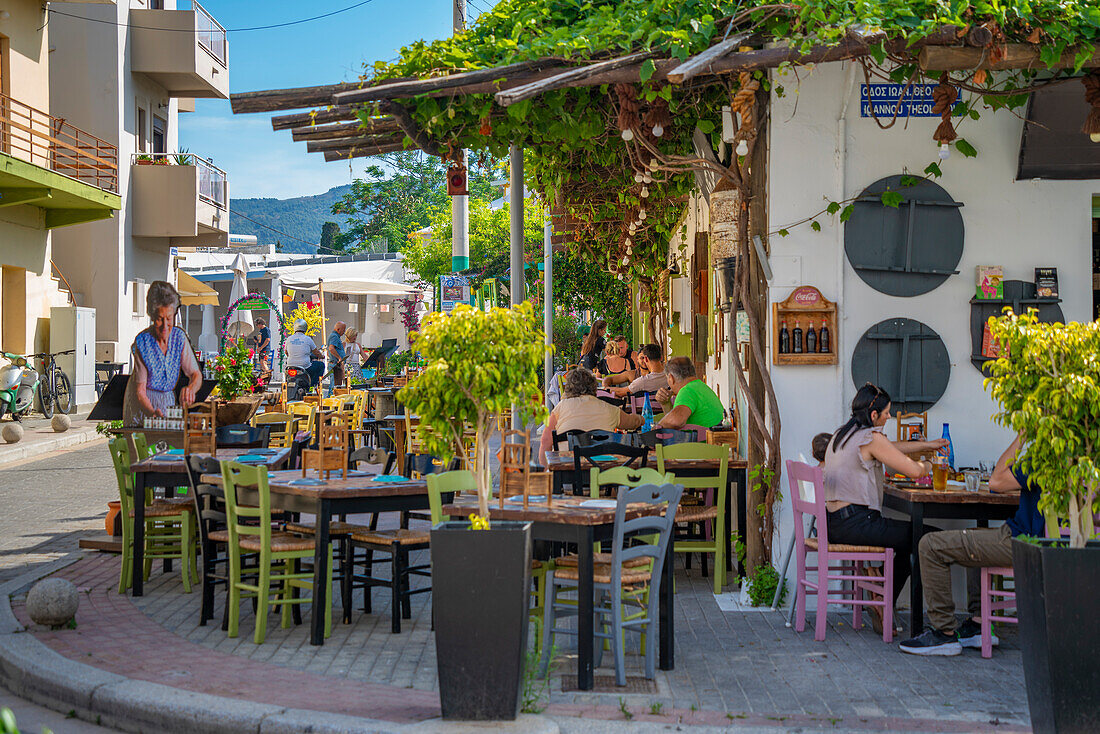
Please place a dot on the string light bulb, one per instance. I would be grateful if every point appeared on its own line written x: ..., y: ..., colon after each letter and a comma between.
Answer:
x: 646, y: 178
x: 658, y: 131
x: 653, y: 165
x: 645, y: 192
x: 641, y: 214
x: 628, y: 135
x: 742, y: 147
x: 1095, y: 137
x: 627, y: 243
x: 945, y: 151
x: 637, y: 178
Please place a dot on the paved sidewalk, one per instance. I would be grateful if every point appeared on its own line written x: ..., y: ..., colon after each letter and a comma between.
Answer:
x: 39, y: 438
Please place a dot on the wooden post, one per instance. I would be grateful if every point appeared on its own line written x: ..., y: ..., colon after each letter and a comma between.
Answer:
x: 324, y: 337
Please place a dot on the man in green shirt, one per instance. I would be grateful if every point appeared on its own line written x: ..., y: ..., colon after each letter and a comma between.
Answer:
x: 695, y: 403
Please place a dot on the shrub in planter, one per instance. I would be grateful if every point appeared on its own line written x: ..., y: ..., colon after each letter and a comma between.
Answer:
x: 1048, y: 386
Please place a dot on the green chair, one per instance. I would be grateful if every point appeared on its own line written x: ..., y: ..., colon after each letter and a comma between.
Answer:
x: 707, y: 513
x: 279, y: 554
x: 169, y: 524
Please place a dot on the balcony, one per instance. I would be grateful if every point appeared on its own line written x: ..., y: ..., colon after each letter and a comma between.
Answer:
x: 48, y: 163
x: 185, y: 51
x: 179, y: 197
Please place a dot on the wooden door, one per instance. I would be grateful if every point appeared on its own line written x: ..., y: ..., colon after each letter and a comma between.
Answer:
x: 700, y: 302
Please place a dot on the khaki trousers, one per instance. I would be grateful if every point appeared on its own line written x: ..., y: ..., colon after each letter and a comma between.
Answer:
x: 973, y: 548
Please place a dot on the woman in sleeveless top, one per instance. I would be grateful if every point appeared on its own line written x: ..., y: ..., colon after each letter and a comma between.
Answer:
x: 854, y: 475
x: 593, y: 345
x: 616, y: 364
x: 160, y: 354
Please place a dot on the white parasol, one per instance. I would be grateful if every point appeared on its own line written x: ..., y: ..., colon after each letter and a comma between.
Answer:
x: 240, y: 321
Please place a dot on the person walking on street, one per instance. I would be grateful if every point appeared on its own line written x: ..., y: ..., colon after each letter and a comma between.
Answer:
x: 336, y: 353
x: 263, y: 344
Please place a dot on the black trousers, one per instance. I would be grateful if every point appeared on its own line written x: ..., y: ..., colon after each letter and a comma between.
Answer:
x: 859, y: 525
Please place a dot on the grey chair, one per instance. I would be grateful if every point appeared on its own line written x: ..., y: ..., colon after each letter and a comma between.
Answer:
x: 628, y: 586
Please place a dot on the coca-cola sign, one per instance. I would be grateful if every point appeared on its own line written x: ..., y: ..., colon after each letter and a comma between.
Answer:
x: 807, y: 295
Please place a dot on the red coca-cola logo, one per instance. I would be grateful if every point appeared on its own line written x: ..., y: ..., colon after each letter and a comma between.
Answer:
x: 807, y: 296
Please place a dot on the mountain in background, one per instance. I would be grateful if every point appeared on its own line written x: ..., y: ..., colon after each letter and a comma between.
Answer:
x: 300, y: 217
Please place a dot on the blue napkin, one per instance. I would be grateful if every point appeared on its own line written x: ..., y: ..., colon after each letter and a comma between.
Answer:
x: 604, y: 457
x: 249, y: 458
x: 390, y: 478
x: 305, y: 482
x: 174, y: 452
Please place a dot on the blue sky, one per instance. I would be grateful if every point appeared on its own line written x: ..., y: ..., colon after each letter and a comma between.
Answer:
x: 260, y: 161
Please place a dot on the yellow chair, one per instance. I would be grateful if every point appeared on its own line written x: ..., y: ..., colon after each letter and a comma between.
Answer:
x: 305, y: 414
x: 282, y: 428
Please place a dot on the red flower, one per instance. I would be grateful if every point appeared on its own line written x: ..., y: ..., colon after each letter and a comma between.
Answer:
x: 220, y: 368
x: 233, y: 362
x: 250, y: 352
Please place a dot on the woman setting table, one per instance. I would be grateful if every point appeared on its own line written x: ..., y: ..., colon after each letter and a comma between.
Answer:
x: 160, y: 354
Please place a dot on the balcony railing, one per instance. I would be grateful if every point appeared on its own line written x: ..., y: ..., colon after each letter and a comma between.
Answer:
x: 211, y: 34
x: 50, y: 142
x: 212, y: 180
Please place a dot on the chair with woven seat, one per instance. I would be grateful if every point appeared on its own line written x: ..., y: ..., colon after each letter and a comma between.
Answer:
x: 200, y: 423
x: 280, y: 428
x: 516, y: 475
x: 622, y: 582
x: 398, y: 543
x: 278, y: 554
x: 305, y: 415
x: 709, y: 488
x: 169, y: 524
x: 332, y: 449
x: 632, y: 456
x: 665, y: 436
x: 836, y: 562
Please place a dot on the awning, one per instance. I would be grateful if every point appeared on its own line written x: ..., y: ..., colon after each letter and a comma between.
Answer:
x: 337, y: 278
x: 194, y: 293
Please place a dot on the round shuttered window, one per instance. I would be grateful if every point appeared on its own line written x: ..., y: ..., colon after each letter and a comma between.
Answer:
x: 907, y: 249
x: 906, y: 359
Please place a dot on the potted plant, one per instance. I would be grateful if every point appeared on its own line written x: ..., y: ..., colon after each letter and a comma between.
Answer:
x: 182, y: 158
x: 144, y: 160
x: 1047, y: 383
x: 479, y: 365
x: 236, y: 380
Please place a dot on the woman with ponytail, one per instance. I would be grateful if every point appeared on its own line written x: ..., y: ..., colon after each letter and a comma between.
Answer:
x: 854, y: 476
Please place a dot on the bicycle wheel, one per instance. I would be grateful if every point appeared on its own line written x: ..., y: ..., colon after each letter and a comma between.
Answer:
x: 63, y: 392
x: 45, y: 399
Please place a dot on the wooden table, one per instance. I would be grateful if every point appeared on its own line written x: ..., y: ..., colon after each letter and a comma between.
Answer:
x: 356, y: 494
x: 169, y: 472
x: 561, y: 462
x: 566, y: 521
x: 955, y: 504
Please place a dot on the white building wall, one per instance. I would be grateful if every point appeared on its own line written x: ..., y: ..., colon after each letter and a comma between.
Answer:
x: 1019, y: 225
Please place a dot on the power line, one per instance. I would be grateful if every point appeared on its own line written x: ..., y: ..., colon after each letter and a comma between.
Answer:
x: 227, y: 30
x: 236, y: 213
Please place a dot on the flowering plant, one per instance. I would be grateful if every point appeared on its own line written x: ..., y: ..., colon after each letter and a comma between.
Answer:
x: 233, y: 368
x: 311, y: 315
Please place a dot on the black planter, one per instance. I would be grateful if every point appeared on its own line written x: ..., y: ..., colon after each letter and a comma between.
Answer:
x: 480, y: 583
x: 1059, y: 608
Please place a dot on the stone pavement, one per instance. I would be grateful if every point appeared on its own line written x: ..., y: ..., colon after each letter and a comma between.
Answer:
x: 39, y: 438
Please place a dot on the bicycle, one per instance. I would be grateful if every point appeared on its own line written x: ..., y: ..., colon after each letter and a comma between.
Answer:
x: 54, y: 387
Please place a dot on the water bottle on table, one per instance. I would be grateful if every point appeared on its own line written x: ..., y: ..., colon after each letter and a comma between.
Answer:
x: 647, y: 414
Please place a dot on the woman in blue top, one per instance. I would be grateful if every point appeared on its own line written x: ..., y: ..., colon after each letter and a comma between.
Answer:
x: 160, y: 354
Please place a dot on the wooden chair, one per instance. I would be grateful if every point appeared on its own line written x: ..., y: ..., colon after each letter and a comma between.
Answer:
x: 243, y: 436
x: 332, y: 449
x: 280, y: 427
x: 835, y: 562
x: 665, y: 436
x: 305, y: 414
x: 200, y: 424
x: 622, y: 581
x: 632, y: 456
x: 169, y: 526
x: 905, y: 420
x: 708, y: 514
x: 516, y: 477
x: 279, y: 554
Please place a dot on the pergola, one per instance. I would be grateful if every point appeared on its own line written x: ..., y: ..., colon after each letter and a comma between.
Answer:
x: 377, y: 116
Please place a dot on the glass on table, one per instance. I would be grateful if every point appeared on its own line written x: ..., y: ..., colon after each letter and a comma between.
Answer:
x: 973, y: 480
x: 939, y: 474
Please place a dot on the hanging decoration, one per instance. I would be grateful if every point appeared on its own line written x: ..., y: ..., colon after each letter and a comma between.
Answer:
x: 245, y: 300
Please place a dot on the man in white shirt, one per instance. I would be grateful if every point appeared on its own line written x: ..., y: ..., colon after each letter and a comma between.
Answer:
x: 653, y: 377
x: 300, y: 350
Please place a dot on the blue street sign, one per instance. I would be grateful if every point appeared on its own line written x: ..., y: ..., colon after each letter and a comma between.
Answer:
x: 907, y: 100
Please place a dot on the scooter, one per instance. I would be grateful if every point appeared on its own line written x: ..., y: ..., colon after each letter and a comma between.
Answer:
x: 297, y: 383
x: 18, y: 386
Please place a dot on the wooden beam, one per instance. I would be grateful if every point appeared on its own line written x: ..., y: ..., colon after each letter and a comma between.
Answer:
x: 404, y: 119
x: 700, y: 63
x: 404, y: 88
x: 273, y: 100
x: 570, y: 78
x: 374, y: 126
x: 1016, y: 56
x: 319, y: 146
x: 361, y: 152
x: 342, y: 113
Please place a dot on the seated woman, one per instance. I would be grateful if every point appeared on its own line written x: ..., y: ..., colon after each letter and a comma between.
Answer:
x: 580, y: 409
x: 853, y: 482
x: 616, y: 367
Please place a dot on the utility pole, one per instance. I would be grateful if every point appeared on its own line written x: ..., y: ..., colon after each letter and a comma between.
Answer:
x: 515, y: 232
x: 460, y: 205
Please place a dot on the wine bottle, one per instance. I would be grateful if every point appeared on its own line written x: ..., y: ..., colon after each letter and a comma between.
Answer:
x: 823, y: 337
x: 797, y: 334
x: 811, y: 338
x: 784, y: 340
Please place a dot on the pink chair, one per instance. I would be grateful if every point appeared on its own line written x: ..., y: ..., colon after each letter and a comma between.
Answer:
x: 994, y: 600
x: 700, y: 431
x: 835, y: 562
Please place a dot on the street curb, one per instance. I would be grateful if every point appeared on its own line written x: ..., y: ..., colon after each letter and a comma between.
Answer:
x: 32, y: 670
x: 11, y: 453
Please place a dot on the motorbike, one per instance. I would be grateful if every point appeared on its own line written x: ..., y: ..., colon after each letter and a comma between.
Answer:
x: 297, y: 383
x: 18, y: 386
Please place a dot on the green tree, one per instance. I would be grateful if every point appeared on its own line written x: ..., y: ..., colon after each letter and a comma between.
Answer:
x: 581, y: 285
x: 480, y: 364
x: 1048, y: 387
x: 330, y: 233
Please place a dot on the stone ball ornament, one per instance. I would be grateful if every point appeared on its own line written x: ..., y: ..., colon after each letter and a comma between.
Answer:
x: 61, y: 423
x: 52, y: 602
x: 12, y: 432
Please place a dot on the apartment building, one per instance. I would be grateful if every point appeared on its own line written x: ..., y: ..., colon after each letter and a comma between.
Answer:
x: 54, y: 177
x: 127, y: 69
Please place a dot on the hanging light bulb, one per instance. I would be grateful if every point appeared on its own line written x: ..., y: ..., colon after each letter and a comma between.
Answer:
x: 945, y: 151
x: 647, y: 178
x: 627, y: 243
x: 628, y: 135
x: 637, y: 178
x: 1095, y: 137
x: 658, y: 131
x: 626, y: 261
x: 641, y: 215
x: 653, y: 165
x: 632, y: 227
x: 645, y: 192
x: 742, y: 147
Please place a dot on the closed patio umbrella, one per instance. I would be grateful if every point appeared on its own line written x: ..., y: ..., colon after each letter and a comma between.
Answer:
x: 240, y: 322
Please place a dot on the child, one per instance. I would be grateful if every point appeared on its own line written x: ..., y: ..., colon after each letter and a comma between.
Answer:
x: 819, y: 445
